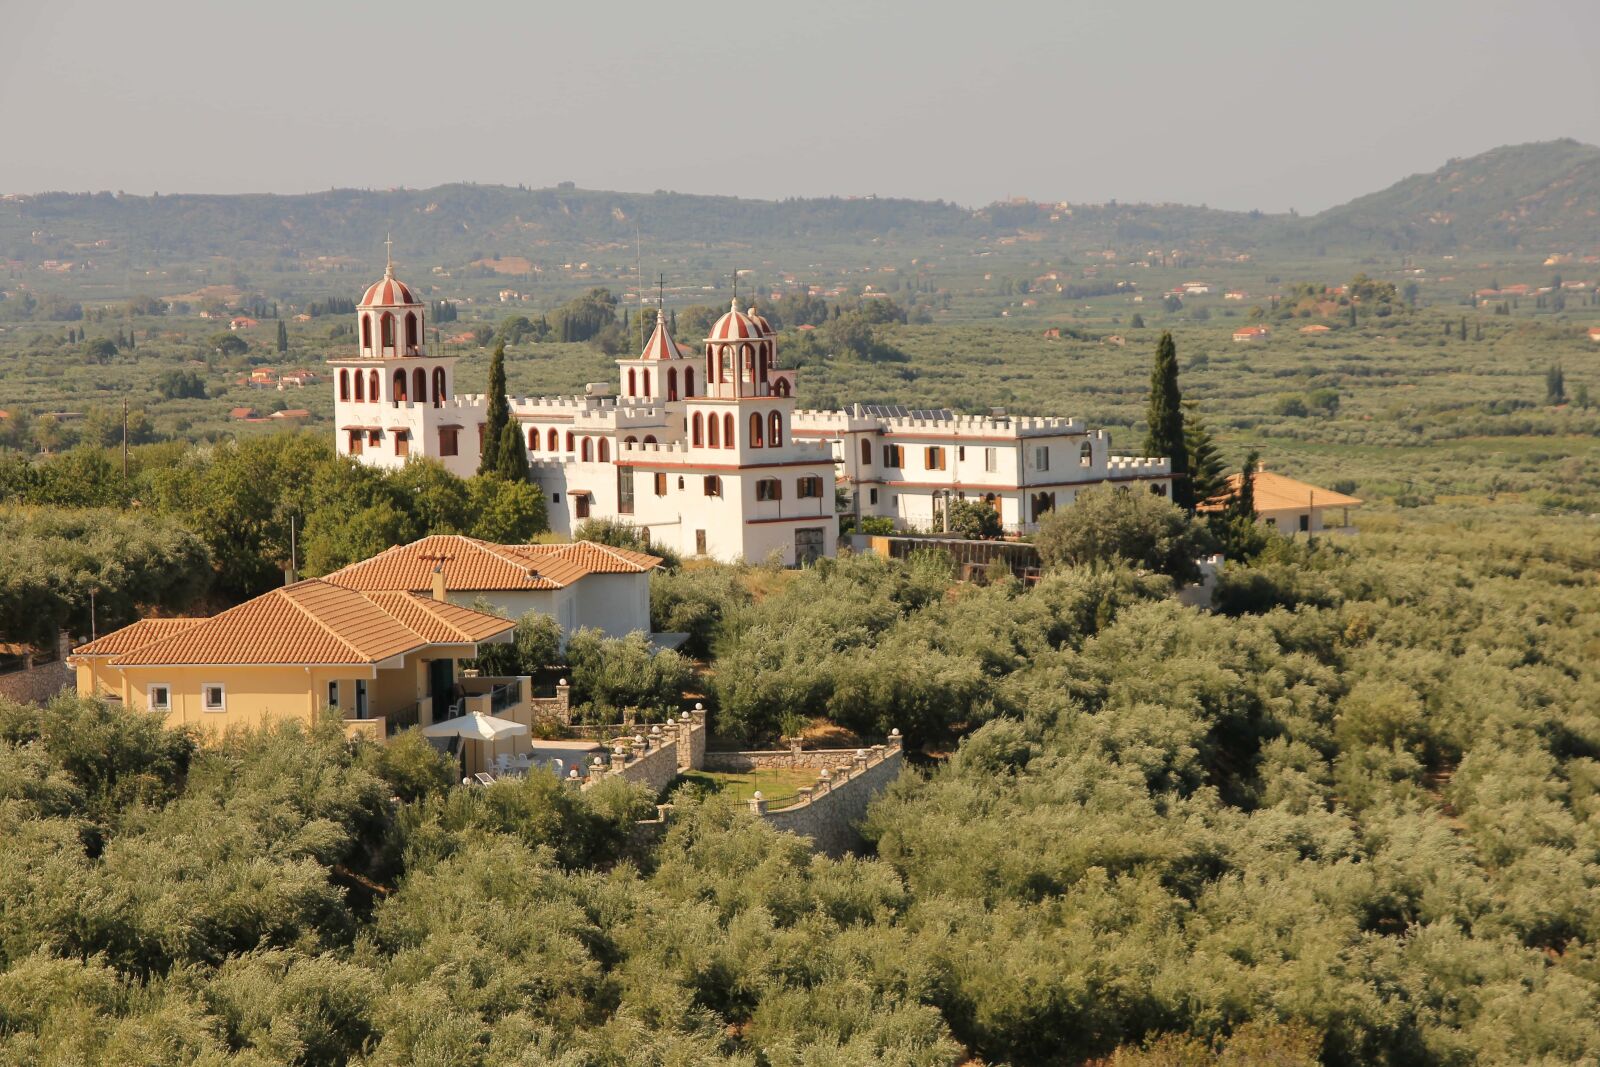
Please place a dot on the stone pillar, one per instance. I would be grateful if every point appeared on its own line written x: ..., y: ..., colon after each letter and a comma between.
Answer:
x: 685, y: 727
x: 564, y: 702
x: 758, y: 803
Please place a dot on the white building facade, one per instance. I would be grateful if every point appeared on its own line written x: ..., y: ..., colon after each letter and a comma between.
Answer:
x: 909, y: 466
x: 704, y: 450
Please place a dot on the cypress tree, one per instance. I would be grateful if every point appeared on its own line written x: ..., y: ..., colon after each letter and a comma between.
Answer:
x: 1352, y: 314
x: 1244, y: 501
x: 499, y: 415
x: 1205, y: 462
x: 1165, y: 437
x: 512, y: 464
x: 1463, y: 327
x: 1555, y: 386
x: 283, y: 337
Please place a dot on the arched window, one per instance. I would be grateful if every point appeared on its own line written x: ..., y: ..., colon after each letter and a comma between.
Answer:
x: 688, y: 381
x: 411, y: 331
x: 572, y: 441
x: 1086, y: 455
x: 774, y: 430
x: 633, y: 384
x: 725, y: 370
x: 588, y: 449
x: 761, y: 362
x: 782, y: 387
x: 438, y: 386
x: 672, y: 383
x: 419, y: 385
x: 1158, y: 489
x: 727, y: 431
x: 866, y: 452
x: 372, y: 386
x: 388, y: 330
x: 344, y: 385
x: 713, y: 432
x: 630, y: 440
x: 361, y: 392
x: 552, y: 440
x: 698, y: 437
x: 646, y: 384
x: 755, y: 429
x: 605, y: 450
x: 366, y: 331
x: 399, y: 396
x: 533, y: 439
x: 769, y: 489
x: 649, y: 438
x: 989, y: 499
x: 747, y: 363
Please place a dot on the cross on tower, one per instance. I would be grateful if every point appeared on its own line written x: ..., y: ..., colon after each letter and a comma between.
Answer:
x: 388, y: 255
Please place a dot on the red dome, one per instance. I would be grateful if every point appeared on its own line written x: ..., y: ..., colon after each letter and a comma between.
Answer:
x: 735, y: 326
x: 761, y: 322
x: 390, y: 292
x: 661, y: 345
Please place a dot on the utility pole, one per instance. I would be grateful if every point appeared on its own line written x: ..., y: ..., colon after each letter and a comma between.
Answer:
x: 124, y: 440
x: 294, y: 554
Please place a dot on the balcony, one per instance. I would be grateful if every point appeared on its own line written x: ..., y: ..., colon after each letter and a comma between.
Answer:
x: 504, y: 698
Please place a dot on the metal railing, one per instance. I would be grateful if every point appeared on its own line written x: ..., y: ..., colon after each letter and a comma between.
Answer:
x: 505, y: 697
x: 400, y: 718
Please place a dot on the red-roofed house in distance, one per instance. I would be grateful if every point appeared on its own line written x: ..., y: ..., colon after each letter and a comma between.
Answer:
x: 1291, y: 505
x: 1251, y: 334
x: 581, y: 585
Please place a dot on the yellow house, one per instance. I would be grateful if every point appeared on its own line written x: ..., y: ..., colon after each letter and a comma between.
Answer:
x: 1290, y: 505
x: 383, y: 657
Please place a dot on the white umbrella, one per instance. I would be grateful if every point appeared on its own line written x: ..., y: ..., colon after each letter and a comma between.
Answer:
x: 475, y: 726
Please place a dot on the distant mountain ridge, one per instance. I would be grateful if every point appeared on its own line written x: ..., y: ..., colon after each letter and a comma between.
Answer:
x: 1533, y: 197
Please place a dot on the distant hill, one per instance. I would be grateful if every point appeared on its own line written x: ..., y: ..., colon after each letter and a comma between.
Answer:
x: 459, y: 224
x: 1532, y: 197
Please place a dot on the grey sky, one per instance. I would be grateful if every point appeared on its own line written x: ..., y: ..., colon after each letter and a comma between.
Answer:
x: 1236, y: 104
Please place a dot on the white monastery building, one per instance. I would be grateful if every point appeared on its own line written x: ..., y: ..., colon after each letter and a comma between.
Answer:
x: 704, y: 448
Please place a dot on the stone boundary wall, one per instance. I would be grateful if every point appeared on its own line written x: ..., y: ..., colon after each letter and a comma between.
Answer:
x: 792, y: 758
x: 36, y: 685
x: 830, y: 812
x: 655, y: 758
x: 38, y: 682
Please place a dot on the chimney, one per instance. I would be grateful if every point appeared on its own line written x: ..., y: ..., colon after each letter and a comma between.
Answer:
x: 438, y: 581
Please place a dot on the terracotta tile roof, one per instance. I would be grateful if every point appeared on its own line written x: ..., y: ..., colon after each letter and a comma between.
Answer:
x: 134, y: 636
x: 1276, y: 492
x: 316, y: 621
x: 474, y: 565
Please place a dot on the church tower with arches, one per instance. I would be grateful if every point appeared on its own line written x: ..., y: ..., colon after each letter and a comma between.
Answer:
x: 394, y: 399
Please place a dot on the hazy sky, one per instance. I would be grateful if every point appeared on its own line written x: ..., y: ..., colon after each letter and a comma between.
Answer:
x: 1233, y: 104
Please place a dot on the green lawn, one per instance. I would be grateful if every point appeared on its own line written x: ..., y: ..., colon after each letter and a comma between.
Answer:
x: 779, y: 787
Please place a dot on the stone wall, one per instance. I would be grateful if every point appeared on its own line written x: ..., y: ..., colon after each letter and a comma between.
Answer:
x: 830, y: 812
x: 38, y: 682
x: 655, y: 757
x: 792, y: 758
